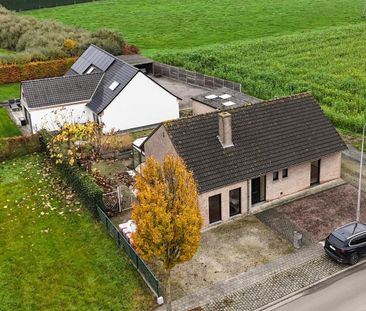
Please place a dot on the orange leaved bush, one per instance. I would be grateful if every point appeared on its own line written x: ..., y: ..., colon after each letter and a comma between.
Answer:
x: 35, y: 70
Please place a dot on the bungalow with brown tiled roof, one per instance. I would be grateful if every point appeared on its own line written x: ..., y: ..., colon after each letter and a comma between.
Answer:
x: 252, y: 154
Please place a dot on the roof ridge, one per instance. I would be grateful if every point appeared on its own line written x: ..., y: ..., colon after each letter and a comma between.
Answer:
x: 209, y: 114
x: 61, y: 77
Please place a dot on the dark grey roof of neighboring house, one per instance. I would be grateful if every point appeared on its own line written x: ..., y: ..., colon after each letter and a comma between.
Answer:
x: 93, y: 56
x: 70, y: 72
x: 267, y: 136
x: 61, y: 90
x: 233, y: 98
x: 112, y: 68
x: 120, y: 72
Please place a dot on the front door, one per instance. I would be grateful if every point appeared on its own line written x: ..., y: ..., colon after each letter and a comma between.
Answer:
x: 258, y: 189
x: 315, y: 173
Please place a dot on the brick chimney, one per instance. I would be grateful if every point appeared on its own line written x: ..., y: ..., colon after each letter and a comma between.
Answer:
x: 225, y: 131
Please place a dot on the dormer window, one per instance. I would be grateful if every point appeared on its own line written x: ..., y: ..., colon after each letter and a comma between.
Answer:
x: 114, y: 85
x: 90, y: 70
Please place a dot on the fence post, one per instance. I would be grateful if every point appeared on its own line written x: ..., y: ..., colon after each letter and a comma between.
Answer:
x: 119, y: 199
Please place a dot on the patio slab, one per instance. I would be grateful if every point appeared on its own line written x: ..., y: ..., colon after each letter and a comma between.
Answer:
x: 181, y: 89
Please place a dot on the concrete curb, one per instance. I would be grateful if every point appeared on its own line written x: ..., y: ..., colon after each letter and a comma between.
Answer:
x: 299, y: 293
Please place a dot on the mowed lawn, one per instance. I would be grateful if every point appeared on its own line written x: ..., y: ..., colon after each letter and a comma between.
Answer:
x: 54, y: 256
x: 9, y: 91
x: 166, y: 24
x: 330, y: 63
x: 7, y: 126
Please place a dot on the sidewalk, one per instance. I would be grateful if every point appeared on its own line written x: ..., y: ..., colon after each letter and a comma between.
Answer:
x: 353, y: 154
x: 264, y: 284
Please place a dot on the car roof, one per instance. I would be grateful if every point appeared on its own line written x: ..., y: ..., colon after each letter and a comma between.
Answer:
x: 349, y: 230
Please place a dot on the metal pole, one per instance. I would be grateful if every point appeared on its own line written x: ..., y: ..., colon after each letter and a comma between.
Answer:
x: 360, y: 177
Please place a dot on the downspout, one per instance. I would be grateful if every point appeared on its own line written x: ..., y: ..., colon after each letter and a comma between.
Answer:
x: 249, y: 205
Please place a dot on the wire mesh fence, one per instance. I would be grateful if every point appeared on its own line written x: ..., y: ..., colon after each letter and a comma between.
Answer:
x: 139, y: 264
x: 23, y: 5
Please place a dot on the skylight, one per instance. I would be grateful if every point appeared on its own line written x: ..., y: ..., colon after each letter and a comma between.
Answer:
x: 114, y: 85
x: 212, y: 96
x: 225, y: 96
x: 90, y: 70
x: 229, y: 103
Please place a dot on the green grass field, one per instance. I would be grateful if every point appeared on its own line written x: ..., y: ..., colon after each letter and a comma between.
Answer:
x: 7, y: 126
x: 54, y: 256
x: 5, y: 52
x: 166, y: 24
x: 9, y: 91
x: 329, y: 63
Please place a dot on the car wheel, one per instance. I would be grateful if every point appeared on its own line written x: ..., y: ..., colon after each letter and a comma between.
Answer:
x: 354, y: 258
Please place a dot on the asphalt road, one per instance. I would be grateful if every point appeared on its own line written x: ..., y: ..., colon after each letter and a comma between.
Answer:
x: 347, y: 292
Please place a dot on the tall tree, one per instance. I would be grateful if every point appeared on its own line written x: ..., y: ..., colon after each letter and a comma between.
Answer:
x: 166, y: 214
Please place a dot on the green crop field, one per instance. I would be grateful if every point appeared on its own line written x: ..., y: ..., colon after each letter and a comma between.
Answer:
x: 274, y: 48
x: 329, y: 63
x: 166, y: 24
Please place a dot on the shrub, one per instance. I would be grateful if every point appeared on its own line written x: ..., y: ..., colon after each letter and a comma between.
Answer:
x: 34, y: 70
x: 36, y: 40
x: 18, y: 146
x: 114, y: 141
x: 81, y: 182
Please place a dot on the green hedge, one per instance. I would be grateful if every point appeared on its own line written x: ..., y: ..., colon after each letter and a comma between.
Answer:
x: 81, y: 182
x: 12, y: 147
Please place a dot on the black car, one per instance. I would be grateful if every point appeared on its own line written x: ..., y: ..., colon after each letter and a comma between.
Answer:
x: 347, y: 244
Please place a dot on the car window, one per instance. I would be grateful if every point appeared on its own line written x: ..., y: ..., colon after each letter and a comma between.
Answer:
x: 358, y: 240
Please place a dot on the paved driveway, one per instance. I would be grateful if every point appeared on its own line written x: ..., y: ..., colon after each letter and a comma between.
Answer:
x: 321, y: 213
x: 226, y: 251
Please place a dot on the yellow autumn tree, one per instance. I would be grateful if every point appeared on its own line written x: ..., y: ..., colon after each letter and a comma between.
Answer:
x: 166, y: 214
x: 75, y: 142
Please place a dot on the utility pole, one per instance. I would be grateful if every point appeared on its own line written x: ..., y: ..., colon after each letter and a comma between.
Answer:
x: 360, y: 177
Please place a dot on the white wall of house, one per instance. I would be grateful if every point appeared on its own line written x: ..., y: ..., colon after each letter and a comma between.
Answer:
x: 50, y: 118
x: 142, y: 102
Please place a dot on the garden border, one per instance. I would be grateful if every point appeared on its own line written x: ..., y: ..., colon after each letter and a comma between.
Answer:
x: 139, y: 264
x: 91, y: 195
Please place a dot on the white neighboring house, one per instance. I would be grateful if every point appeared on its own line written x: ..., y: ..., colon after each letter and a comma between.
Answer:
x: 98, y: 87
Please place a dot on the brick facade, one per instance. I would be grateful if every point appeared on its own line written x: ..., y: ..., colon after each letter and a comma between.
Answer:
x: 225, y: 203
x: 159, y: 145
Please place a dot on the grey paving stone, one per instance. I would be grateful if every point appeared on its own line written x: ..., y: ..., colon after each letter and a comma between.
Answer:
x: 263, y: 284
